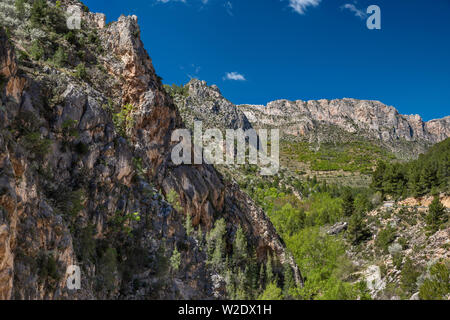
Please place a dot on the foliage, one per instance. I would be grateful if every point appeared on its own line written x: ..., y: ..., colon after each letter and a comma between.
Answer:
x: 124, y: 119
x: 80, y: 71
x: 437, y: 215
x: 60, y: 57
x: 437, y: 285
x: 107, y: 269
x: 384, y: 238
x: 45, y: 16
x: 20, y: 8
x: 324, y: 264
x: 174, y: 200
x: 351, y: 157
x: 86, y: 244
x: 37, y: 145
x: 48, y: 267
x: 36, y: 50
x: 348, y: 204
x: 188, y: 225
x: 272, y: 292
x: 357, y: 230
x: 410, y: 273
x: 430, y: 172
x: 215, y: 240
x: 175, y: 90
x: 175, y: 260
x: 240, y: 254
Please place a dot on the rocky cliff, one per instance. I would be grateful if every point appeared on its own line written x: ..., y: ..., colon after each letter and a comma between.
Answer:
x: 315, y: 121
x: 83, y: 181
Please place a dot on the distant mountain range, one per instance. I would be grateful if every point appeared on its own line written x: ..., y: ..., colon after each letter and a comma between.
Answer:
x: 339, y: 120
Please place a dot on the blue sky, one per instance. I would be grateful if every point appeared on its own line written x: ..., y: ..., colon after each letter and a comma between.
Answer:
x: 258, y: 51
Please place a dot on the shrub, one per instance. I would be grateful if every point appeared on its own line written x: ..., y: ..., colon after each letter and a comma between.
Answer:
x: 37, y: 145
x: 124, y: 120
x: 48, y: 267
x: 60, y: 57
x: 80, y: 71
x: 437, y: 286
x: 71, y: 37
x: 36, y: 51
x: 39, y: 13
x: 108, y: 269
x: 20, y: 8
x: 410, y: 273
x: 174, y: 200
x: 175, y: 260
x: 385, y: 238
x: 87, y: 246
x: 272, y: 292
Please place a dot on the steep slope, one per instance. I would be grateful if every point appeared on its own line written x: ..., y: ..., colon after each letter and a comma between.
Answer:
x: 80, y: 174
x: 199, y: 102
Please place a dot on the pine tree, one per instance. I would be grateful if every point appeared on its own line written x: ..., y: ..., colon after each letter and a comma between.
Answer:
x: 240, y: 254
x: 357, y: 231
x: 188, y: 225
x: 269, y: 270
x: 175, y: 260
x: 349, y: 203
x: 437, y: 215
x: 289, y: 282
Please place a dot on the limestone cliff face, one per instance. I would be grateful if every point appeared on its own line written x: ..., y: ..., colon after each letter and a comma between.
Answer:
x: 73, y: 191
x: 367, y: 119
x: 207, y: 104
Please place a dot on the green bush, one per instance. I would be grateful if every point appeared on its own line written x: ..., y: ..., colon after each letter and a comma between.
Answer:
x: 60, y: 57
x: 410, y: 273
x: 36, y: 51
x: 175, y: 260
x: 174, y: 200
x: 385, y: 238
x: 124, y: 120
x: 272, y: 292
x: 36, y: 144
x: 437, y: 286
x: 80, y: 71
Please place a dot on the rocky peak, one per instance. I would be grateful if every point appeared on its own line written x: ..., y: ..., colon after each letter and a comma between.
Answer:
x: 206, y: 103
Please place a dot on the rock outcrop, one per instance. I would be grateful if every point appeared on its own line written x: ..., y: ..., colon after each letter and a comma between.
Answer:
x: 207, y: 104
x: 313, y: 120
x: 73, y: 191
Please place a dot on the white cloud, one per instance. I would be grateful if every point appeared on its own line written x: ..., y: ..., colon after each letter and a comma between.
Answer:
x: 358, y: 13
x: 234, y: 76
x: 300, y: 6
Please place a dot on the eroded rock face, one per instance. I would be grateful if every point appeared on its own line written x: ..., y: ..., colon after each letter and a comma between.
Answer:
x: 207, y: 104
x: 67, y: 178
x: 370, y: 119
